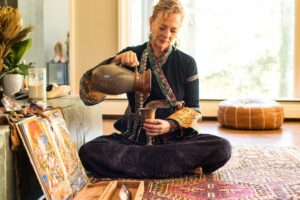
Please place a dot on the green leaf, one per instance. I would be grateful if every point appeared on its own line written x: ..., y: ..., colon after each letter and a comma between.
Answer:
x: 11, y: 61
x: 2, y: 74
x: 19, y: 49
x: 24, y: 68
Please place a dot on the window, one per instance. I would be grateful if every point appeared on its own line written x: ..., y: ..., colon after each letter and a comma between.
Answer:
x: 243, y: 48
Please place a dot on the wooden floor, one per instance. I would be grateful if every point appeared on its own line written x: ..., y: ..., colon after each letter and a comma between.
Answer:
x: 287, y: 135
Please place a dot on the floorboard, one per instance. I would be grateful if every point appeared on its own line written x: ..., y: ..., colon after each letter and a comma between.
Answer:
x: 287, y: 135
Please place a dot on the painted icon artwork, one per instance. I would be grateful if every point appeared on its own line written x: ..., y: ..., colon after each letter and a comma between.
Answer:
x: 45, y: 159
x: 67, y: 149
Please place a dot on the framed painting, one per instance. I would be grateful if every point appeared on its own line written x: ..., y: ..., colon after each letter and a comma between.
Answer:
x: 53, y: 155
x: 67, y: 149
x: 44, y: 158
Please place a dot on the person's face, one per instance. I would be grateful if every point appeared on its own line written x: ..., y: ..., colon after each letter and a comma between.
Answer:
x: 164, y: 30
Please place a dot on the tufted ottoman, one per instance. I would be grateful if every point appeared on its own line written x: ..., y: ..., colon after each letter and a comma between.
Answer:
x: 252, y: 114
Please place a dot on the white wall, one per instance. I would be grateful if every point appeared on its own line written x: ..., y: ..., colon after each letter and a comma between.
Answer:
x: 56, y: 25
x: 93, y: 35
x: 32, y: 14
x: 50, y: 20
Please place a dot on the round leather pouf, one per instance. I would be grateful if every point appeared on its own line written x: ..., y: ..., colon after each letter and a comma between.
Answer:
x: 252, y: 114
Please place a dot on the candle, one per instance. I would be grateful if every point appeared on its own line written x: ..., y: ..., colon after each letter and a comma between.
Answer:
x: 37, y: 84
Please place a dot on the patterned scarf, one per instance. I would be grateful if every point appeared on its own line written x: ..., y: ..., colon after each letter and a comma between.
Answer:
x: 156, y: 66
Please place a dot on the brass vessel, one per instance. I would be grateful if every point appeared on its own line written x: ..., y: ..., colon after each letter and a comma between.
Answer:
x: 148, y: 113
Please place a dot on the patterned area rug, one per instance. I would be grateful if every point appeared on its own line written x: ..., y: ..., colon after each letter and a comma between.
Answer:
x: 264, y: 173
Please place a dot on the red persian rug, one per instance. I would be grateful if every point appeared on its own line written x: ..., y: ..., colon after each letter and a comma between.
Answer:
x: 266, y: 173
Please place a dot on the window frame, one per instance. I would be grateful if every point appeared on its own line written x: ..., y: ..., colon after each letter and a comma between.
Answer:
x: 297, y: 51
x: 123, y: 40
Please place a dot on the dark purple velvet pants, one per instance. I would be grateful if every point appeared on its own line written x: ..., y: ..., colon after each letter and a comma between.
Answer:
x: 116, y: 156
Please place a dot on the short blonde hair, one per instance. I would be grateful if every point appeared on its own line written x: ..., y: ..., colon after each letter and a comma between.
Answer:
x: 168, y: 7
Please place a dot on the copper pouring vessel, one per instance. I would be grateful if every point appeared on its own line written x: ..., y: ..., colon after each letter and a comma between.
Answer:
x: 114, y: 79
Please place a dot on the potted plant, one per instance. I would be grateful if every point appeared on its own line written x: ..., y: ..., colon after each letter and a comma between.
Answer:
x: 13, y: 45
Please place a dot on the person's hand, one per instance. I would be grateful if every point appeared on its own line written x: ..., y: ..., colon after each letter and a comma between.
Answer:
x: 128, y: 58
x: 154, y: 127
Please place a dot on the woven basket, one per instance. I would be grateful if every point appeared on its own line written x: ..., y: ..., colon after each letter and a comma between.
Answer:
x: 252, y: 114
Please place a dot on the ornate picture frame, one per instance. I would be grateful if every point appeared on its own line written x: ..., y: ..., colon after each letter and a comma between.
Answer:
x: 53, y: 155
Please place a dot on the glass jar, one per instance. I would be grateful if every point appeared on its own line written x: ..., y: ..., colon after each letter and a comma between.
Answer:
x: 37, y: 84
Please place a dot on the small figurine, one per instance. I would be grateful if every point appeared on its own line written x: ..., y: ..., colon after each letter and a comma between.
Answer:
x: 59, y: 57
